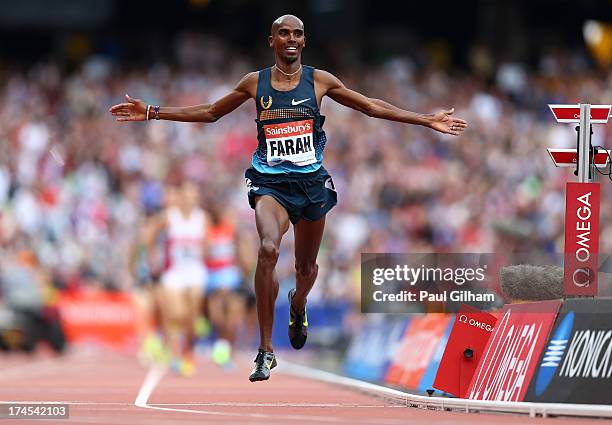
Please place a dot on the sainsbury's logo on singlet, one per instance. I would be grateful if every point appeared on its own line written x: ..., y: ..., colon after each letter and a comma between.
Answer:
x: 291, y: 142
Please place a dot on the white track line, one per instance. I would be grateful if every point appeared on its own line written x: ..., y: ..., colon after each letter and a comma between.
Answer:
x: 199, y: 403
x: 328, y: 419
x: 76, y: 403
x: 156, y: 374
x: 238, y: 404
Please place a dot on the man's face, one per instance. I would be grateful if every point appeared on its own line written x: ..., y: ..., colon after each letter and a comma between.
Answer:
x: 288, y: 40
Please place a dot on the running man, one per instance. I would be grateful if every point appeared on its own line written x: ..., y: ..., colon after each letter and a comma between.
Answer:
x: 183, y: 279
x: 287, y: 181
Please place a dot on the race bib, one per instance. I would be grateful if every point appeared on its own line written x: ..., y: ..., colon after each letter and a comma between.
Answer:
x: 292, y: 142
x: 186, y: 250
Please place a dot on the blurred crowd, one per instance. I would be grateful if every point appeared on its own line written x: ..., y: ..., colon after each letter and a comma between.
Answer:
x: 75, y: 185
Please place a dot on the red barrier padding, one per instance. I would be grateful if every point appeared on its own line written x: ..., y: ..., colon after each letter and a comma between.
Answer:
x: 100, y: 317
x: 464, y: 349
x: 513, y: 351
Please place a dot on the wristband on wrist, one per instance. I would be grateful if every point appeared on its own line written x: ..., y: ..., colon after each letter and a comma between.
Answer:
x: 148, y: 107
x: 156, y: 109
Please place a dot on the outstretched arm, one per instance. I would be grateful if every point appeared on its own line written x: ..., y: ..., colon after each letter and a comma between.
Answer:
x: 136, y: 109
x: 442, y: 121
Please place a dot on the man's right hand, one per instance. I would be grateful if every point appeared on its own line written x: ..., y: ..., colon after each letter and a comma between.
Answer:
x: 133, y: 110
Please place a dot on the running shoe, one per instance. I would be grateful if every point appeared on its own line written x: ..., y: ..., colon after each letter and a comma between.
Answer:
x: 298, y: 324
x: 264, y: 362
x: 221, y: 352
x: 183, y: 367
x: 153, y: 351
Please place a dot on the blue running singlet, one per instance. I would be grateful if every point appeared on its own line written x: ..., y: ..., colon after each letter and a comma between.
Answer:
x: 289, y: 127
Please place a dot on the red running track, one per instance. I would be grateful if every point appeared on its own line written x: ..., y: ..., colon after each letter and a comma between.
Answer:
x: 102, y: 388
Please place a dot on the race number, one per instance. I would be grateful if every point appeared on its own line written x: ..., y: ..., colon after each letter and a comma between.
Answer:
x: 290, y: 142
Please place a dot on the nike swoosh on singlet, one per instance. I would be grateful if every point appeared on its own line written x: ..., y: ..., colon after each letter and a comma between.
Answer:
x: 294, y: 103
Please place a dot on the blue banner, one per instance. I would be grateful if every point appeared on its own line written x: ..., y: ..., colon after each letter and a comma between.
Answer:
x: 372, y: 349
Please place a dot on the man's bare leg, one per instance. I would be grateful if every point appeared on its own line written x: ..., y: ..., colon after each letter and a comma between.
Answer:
x: 272, y: 222
x: 308, y: 235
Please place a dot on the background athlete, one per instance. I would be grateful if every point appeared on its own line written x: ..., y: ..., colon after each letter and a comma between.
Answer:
x: 226, y: 265
x: 184, y: 277
x: 287, y: 181
x: 146, y: 290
